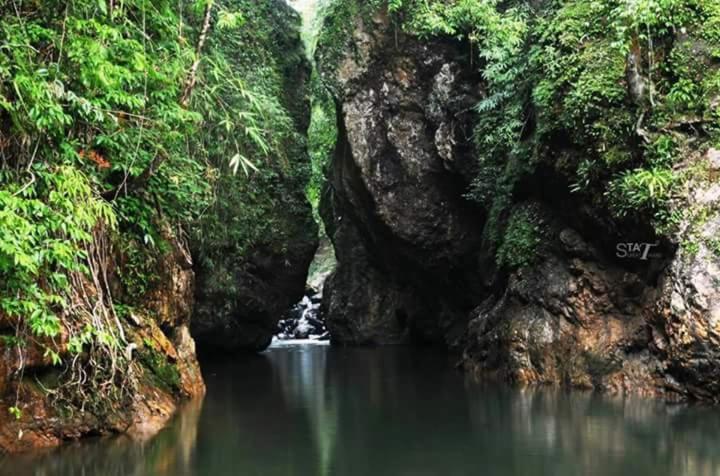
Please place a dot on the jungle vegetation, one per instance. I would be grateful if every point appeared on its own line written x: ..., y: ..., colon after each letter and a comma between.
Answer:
x: 123, y: 121
x: 120, y: 118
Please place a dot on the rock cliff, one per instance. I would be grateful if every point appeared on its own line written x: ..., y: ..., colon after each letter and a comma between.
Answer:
x: 600, y: 302
x: 162, y: 366
x: 405, y: 238
x: 253, y: 249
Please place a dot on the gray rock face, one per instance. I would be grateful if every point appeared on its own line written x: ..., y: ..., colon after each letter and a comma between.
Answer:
x: 577, y: 317
x: 585, y: 318
x: 588, y: 316
x: 413, y: 266
x: 685, y: 327
x: 403, y: 232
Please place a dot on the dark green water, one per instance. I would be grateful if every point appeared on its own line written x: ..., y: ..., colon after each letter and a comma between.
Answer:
x: 314, y: 411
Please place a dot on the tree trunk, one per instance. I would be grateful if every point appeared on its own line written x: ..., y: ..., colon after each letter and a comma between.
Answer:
x: 192, y: 76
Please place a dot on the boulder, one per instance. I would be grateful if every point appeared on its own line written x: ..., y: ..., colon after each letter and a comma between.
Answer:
x: 404, y: 235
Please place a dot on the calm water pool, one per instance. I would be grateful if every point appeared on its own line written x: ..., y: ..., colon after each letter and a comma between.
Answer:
x: 314, y: 410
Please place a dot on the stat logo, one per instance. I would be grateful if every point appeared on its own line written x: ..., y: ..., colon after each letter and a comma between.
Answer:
x: 637, y: 250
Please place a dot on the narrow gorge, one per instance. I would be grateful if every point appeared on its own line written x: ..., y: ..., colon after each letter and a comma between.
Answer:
x: 297, y: 211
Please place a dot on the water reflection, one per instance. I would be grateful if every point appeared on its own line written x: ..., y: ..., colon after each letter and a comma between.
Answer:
x: 170, y: 453
x: 326, y: 411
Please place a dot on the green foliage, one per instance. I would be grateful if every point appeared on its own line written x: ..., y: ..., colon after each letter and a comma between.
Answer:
x: 15, y: 412
x: 558, y: 79
x: 323, y: 22
x: 255, y: 121
x: 88, y: 100
x: 691, y: 247
x: 338, y: 19
x: 322, y: 135
x: 646, y: 191
x: 641, y: 190
x: 99, y: 149
x: 713, y: 245
x: 584, y: 94
x: 46, y: 223
x: 78, y: 342
x: 138, y: 271
x: 313, y: 16
x: 521, y: 239
x: 12, y: 341
x: 663, y: 152
x: 103, y: 88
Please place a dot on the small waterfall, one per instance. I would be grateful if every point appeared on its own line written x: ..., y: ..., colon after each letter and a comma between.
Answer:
x: 304, y: 320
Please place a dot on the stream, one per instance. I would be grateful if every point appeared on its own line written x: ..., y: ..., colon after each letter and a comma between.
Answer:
x: 315, y: 410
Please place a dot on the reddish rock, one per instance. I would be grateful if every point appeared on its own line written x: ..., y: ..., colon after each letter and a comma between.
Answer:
x: 162, y: 323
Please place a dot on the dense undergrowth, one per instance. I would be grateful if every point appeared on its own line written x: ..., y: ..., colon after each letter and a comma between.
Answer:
x: 119, y: 119
x: 612, y: 94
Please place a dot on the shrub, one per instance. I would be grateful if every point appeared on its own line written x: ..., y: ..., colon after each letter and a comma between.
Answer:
x: 520, y: 242
x: 641, y: 190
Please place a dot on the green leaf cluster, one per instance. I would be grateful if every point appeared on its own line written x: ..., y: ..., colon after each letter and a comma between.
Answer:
x: 520, y: 241
x: 254, y: 136
x: 46, y: 224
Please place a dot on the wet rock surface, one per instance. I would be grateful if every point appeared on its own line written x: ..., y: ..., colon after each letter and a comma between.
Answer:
x: 161, y: 323
x: 304, y: 320
x: 587, y: 319
x: 239, y: 303
x: 577, y: 317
